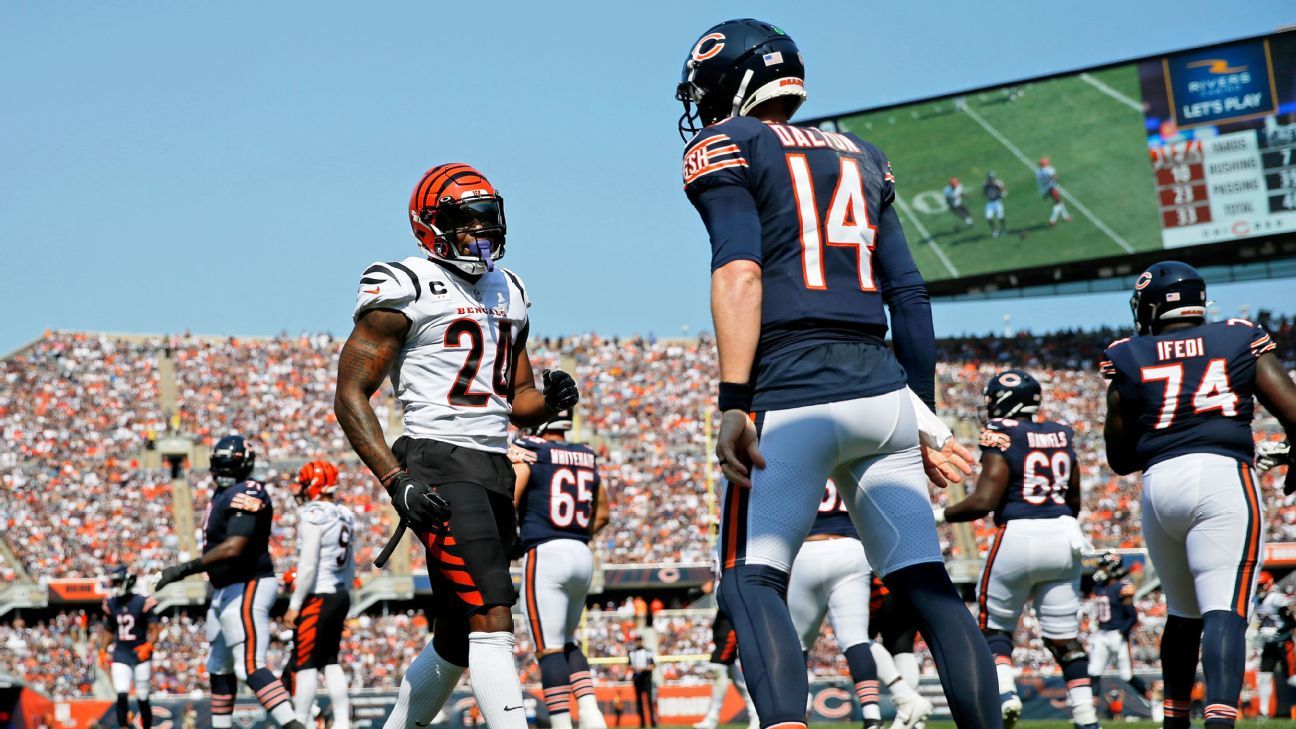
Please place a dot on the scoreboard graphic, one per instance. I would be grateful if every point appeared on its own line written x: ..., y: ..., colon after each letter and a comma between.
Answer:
x: 1222, y: 140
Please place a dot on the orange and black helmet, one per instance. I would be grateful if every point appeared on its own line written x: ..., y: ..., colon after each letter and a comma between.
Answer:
x: 314, y: 480
x: 455, y: 198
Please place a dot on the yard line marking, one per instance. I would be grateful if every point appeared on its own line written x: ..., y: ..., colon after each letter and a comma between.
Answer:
x: 967, y: 109
x: 1122, y: 98
x: 904, y: 208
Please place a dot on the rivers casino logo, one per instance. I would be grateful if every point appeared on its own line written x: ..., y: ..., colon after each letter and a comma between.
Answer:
x: 1222, y: 84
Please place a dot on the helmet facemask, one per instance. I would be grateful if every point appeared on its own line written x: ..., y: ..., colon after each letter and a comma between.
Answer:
x: 480, y: 219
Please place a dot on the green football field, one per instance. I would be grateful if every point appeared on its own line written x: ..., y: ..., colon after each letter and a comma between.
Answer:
x: 1028, y: 724
x: 1090, y: 126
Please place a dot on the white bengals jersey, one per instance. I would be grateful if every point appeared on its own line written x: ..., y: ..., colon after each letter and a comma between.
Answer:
x: 454, y: 374
x: 325, y: 531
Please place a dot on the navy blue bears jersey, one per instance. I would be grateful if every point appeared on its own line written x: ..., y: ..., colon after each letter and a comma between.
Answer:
x: 560, y: 497
x: 1113, y: 613
x: 1192, y: 389
x: 223, y: 520
x: 832, y: 517
x: 128, y: 617
x: 1041, y: 457
x: 814, y: 210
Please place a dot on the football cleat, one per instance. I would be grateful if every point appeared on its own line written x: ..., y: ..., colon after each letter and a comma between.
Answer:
x: 452, y: 202
x: 912, y: 714
x: 1011, y: 707
x: 705, y: 724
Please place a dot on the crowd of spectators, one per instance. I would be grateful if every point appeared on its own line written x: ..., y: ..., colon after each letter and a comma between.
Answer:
x: 53, y: 656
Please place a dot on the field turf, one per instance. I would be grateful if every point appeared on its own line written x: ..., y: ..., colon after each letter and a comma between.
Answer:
x: 1036, y: 724
x: 1090, y: 128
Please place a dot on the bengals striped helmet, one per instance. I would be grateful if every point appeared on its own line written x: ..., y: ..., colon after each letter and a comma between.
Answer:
x: 458, y: 217
x: 314, y: 480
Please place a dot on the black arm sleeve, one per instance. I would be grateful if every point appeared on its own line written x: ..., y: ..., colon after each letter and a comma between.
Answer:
x: 906, y: 298
x: 241, y: 524
x: 732, y: 221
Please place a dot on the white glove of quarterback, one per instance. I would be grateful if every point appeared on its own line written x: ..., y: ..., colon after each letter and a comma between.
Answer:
x: 1272, y: 453
x: 932, y: 431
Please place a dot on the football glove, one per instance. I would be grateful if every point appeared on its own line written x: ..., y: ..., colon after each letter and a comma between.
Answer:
x: 177, y: 572
x: 417, y: 503
x: 559, y: 390
x: 1270, y: 454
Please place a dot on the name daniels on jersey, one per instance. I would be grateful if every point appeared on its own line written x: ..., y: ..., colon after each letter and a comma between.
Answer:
x: 1046, y: 440
x: 571, y: 458
x: 1180, y: 348
x: 811, y: 138
x: 497, y: 313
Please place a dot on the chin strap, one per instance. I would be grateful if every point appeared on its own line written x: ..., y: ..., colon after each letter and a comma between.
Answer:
x: 482, y: 249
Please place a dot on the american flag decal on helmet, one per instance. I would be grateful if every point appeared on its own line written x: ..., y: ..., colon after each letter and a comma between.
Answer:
x: 716, y: 152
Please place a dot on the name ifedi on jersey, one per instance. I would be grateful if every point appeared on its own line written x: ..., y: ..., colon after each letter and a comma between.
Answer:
x: 1046, y: 440
x: 1180, y: 348
x: 571, y: 458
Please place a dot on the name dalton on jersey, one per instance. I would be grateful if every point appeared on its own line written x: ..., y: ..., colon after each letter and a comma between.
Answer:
x: 454, y: 374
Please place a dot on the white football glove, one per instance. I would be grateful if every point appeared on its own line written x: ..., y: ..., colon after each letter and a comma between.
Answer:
x: 1272, y: 453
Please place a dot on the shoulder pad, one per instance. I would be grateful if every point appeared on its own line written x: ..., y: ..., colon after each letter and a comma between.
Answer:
x: 994, y: 435
x: 390, y: 285
x: 714, y: 149
x: 318, y: 513
x: 1105, y: 366
x: 517, y: 282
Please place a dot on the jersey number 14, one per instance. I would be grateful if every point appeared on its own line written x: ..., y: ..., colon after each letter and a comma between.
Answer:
x: 846, y: 223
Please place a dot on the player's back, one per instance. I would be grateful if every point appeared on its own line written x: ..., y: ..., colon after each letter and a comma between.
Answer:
x: 224, y: 520
x: 336, y: 524
x: 560, y: 496
x: 1041, y: 458
x: 1190, y: 390
x: 828, y: 255
x: 129, y: 615
x: 1113, y: 613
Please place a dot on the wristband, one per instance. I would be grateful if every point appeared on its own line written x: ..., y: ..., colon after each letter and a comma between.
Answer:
x: 736, y: 396
x: 384, y: 479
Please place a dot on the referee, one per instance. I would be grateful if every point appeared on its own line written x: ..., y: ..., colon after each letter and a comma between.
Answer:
x: 642, y: 664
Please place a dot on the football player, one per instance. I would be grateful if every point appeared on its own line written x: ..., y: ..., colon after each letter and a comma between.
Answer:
x: 1030, y: 481
x: 1047, y: 182
x: 450, y: 328
x: 561, y: 504
x: 132, y: 628
x: 1271, y: 619
x: 830, y: 575
x: 321, y: 594
x: 1117, y: 616
x: 806, y: 254
x: 236, y: 558
x: 954, y: 201
x: 1179, y: 409
x: 994, y: 191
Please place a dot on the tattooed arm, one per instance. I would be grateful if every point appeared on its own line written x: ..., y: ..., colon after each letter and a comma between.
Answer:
x: 368, y: 354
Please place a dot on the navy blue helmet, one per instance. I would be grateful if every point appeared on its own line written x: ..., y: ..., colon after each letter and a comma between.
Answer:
x: 122, y: 581
x: 1167, y: 291
x: 232, y: 459
x: 1011, y: 393
x: 734, y: 67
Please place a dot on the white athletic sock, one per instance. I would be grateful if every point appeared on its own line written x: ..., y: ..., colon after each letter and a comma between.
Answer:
x: 222, y: 721
x: 1265, y: 682
x: 336, y: 683
x: 307, y: 681
x: 560, y: 721
x: 283, y: 713
x: 719, y: 685
x: 1082, y: 704
x: 591, y: 714
x: 1007, y: 684
x: 495, y: 682
x: 424, y: 688
x: 889, y: 675
x: 907, y: 664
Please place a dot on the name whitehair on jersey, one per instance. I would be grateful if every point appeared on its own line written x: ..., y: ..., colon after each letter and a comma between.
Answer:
x: 1046, y: 440
x: 1180, y: 348
x: 571, y: 458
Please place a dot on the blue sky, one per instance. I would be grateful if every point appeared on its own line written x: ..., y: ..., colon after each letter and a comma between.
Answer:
x: 232, y: 167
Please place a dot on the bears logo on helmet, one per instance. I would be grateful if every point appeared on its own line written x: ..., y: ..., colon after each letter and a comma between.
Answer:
x: 733, y: 68
x: 314, y: 480
x: 1011, y: 393
x: 232, y: 460
x: 453, y: 200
